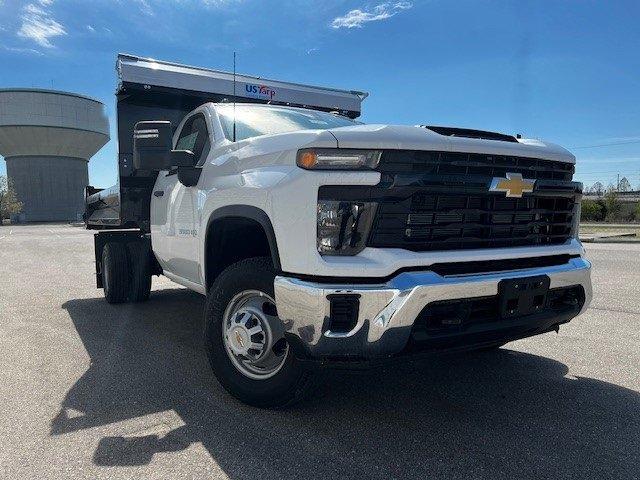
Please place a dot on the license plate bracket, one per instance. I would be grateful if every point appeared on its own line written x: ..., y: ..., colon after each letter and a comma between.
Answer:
x: 523, y: 296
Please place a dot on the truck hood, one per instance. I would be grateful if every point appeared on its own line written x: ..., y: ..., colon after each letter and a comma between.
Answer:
x: 402, y: 137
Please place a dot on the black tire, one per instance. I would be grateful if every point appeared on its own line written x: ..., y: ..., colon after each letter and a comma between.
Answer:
x: 140, y: 272
x: 115, y: 272
x: 291, y: 383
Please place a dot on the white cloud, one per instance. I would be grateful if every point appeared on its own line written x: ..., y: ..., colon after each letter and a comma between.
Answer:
x: 34, y: 9
x: 358, y: 17
x: 38, y: 24
x: 31, y: 51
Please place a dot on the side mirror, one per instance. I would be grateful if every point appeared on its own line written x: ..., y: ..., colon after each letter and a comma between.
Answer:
x: 152, y: 143
x: 152, y: 146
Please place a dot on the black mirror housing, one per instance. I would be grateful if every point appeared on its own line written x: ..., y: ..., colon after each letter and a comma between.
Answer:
x: 152, y: 151
x: 152, y: 143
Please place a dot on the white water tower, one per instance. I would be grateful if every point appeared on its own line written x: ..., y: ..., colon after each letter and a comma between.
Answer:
x: 47, y: 138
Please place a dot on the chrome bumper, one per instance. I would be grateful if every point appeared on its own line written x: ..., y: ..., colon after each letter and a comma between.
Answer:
x: 388, y: 310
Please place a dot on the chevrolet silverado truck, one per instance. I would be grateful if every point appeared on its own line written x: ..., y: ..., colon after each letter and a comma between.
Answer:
x: 322, y: 241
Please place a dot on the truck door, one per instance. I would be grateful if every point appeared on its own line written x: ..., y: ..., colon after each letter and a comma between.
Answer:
x: 174, y: 208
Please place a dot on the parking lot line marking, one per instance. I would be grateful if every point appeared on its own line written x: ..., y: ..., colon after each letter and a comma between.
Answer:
x: 11, y: 232
x: 2, y: 237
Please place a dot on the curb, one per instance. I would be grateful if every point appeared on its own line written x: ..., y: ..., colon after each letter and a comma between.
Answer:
x: 610, y: 240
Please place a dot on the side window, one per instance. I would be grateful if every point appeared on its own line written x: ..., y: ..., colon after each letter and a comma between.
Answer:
x: 195, y: 137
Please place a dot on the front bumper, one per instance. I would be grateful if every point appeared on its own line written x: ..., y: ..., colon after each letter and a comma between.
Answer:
x: 387, y: 311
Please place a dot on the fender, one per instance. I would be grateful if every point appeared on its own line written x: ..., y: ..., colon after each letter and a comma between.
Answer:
x: 252, y: 213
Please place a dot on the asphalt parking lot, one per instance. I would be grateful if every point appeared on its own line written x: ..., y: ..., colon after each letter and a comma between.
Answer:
x: 91, y: 390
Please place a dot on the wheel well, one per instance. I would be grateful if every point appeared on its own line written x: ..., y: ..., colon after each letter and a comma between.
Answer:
x: 231, y: 239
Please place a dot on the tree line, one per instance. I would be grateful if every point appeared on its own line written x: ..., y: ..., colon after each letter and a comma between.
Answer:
x: 609, y: 208
x: 9, y: 202
x: 599, y: 189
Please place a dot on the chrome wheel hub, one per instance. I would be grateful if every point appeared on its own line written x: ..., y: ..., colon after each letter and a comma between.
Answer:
x: 253, y: 335
x: 244, y: 329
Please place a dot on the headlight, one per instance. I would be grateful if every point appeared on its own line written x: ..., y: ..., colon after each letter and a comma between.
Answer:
x: 338, y: 159
x: 343, y: 227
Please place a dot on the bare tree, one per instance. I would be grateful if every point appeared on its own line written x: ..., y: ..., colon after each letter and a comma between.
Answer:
x: 625, y: 185
x: 9, y: 203
x: 596, y: 189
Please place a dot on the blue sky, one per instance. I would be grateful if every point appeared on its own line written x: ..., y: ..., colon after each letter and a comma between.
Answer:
x: 565, y: 71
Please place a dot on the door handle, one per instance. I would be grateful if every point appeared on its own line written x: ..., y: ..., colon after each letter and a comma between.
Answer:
x: 158, y: 193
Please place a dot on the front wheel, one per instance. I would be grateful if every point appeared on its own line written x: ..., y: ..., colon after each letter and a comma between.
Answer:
x: 245, y: 340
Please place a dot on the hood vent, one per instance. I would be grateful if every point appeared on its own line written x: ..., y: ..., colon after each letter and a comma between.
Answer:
x: 470, y: 133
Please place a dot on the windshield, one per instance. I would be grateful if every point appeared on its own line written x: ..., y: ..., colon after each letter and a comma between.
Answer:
x: 256, y: 120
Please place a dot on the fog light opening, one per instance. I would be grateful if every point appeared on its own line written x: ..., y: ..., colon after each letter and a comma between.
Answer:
x: 343, y: 312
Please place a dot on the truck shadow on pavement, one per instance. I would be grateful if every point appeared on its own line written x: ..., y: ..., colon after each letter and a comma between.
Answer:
x: 496, y: 414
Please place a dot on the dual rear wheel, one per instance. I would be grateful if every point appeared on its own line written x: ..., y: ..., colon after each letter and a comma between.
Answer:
x: 126, y: 272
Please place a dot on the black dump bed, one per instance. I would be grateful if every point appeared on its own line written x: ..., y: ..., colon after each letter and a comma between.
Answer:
x: 154, y: 90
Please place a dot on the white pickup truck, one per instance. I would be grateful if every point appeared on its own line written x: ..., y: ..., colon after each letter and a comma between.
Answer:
x: 322, y: 241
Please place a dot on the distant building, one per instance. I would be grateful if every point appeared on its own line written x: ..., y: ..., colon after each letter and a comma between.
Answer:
x: 47, y: 138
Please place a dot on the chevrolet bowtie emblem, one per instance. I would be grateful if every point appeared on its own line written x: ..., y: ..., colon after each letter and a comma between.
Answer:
x: 514, y: 185
x: 239, y: 339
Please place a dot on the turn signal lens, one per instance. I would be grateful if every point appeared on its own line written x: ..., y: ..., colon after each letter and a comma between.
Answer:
x: 338, y: 159
x: 307, y: 158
